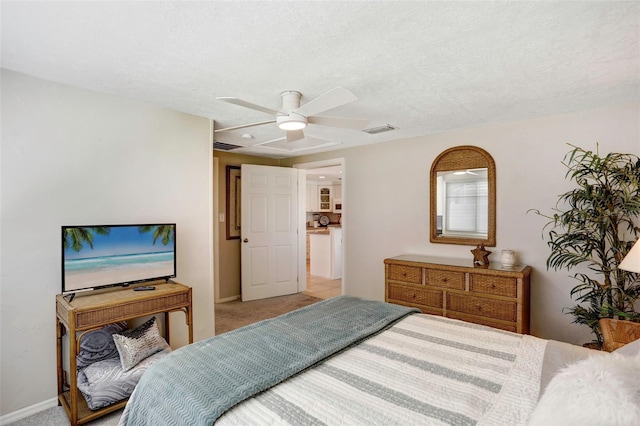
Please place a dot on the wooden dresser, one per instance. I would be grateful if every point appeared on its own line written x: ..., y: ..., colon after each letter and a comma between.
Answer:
x: 493, y: 296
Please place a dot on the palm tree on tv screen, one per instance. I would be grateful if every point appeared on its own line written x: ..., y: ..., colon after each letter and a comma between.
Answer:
x: 75, y: 237
x: 163, y: 232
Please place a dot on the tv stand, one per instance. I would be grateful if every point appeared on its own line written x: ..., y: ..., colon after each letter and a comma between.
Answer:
x: 93, y: 310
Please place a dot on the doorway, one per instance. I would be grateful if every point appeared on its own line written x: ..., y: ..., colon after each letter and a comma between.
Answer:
x: 325, y: 242
x: 226, y: 267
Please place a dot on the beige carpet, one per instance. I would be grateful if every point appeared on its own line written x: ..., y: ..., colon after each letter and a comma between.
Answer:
x: 236, y: 314
x: 56, y: 416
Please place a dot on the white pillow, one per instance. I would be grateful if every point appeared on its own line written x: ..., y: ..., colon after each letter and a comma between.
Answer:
x: 630, y: 349
x: 600, y: 390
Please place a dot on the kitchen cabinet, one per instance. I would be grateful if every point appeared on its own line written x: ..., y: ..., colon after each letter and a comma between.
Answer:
x: 326, y: 254
x: 325, y: 198
x: 321, y: 230
x: 337, y: 191
x: 312, y: 197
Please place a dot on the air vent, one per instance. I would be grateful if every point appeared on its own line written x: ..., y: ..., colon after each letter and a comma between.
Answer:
x: 223, y: 146
x: 380, y: 129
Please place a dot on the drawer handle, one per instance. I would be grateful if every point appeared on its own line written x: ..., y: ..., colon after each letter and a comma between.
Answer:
x: 493, y: 286
x: 404, y: 274
x: 444, y: 280
x: 479, y: 308
x: 413, y: 296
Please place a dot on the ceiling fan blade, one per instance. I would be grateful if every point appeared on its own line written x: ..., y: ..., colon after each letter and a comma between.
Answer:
x: 309, y: 142
x: 347, y: 123
x: 294, y: 135
x: 332, y: 99
x: 246, y: 104
x: 270, y: 141
x: 299, y: 138
x: 242, y: 126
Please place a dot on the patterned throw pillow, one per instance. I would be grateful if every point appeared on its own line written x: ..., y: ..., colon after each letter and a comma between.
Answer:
x: 98, y: 345
x: 139, y: 343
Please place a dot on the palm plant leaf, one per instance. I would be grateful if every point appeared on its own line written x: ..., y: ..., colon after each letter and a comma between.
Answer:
x: 594, y: 225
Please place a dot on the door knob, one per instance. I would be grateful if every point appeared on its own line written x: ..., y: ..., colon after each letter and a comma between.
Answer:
x: 246, y: 240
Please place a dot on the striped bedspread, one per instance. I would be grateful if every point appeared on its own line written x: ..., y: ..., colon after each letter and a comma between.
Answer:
x: 424, y: 370
x: 197, y: 383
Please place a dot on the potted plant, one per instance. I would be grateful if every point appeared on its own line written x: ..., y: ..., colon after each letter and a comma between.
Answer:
x: 594, y: 226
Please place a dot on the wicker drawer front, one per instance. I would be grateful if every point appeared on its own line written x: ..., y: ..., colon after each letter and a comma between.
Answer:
x: 420, y: 296
x: 498, y: 309
x: 489, y: 296
x: 501, y: 286
x: 408, y: 274
x: 446, y: 279
x: 484, y: 321
x: 131, y: 310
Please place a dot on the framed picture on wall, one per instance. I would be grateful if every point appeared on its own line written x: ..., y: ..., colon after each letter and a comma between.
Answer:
x: 233, y: 202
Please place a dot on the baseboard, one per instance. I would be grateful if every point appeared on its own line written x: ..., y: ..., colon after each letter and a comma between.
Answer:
x: 28, y: 411
x: 228, y: 299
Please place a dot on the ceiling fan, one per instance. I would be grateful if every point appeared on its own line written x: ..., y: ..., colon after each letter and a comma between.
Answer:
x: 293, y: 118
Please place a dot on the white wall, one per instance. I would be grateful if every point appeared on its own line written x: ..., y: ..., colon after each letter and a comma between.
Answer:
x: 387, y: 212
x: 71, y: 156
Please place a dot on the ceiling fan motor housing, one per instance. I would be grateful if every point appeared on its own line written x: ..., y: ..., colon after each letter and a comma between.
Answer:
x: 287, y: 119
x: 290, y: 101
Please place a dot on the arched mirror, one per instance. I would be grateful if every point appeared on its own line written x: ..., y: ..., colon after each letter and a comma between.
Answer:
x: 463, y: 197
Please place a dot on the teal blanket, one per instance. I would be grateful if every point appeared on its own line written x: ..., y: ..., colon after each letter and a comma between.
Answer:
x: 196, y: 384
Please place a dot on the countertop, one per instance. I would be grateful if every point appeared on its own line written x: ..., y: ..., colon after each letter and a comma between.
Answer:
x: 321, y: 229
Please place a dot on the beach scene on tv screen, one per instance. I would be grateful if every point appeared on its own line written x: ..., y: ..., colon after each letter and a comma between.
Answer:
x: 100, y: 256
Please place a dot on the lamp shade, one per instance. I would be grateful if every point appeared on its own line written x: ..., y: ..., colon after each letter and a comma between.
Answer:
x: 631, y: 261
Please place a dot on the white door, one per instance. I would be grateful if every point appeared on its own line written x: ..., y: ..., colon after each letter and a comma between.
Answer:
x: 269, y: 231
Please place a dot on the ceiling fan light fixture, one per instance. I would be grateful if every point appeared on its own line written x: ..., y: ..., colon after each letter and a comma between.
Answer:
x: 291, y: 122
x: 292, y: 125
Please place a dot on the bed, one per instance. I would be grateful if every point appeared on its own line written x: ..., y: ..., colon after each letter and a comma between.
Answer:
x: 350, y: 361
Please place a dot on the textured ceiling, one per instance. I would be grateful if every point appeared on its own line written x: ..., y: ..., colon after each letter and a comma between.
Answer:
x: 423, y: 67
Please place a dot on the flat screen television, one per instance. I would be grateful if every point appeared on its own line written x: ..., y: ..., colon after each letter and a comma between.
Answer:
x: 116, y: 255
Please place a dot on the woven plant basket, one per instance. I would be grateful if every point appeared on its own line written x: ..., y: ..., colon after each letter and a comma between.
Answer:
x: 617, y: 333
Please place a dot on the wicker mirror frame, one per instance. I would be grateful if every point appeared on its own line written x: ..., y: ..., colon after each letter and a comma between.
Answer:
x: 463, y: 158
